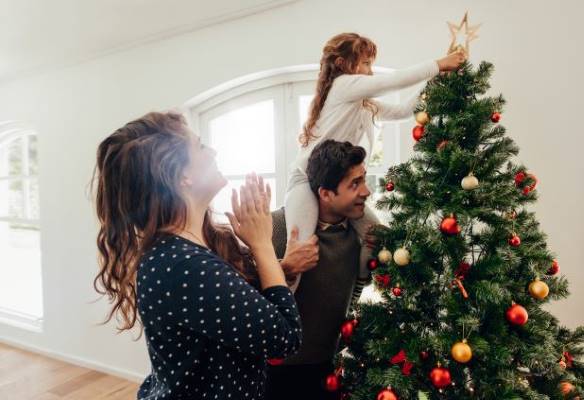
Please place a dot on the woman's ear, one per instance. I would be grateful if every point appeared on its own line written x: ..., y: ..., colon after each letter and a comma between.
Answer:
x: 186, y: 181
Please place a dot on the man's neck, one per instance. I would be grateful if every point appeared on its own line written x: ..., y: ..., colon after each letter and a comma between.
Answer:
x: 328, y: 216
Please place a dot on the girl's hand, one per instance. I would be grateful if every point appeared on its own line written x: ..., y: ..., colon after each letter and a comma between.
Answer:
x: 251, y: 219
x: 452, y: 61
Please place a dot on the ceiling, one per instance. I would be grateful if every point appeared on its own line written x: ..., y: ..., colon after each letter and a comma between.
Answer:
x: 36, y: 35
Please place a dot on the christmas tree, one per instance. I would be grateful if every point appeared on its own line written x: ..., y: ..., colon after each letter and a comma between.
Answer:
x: 463, y: 268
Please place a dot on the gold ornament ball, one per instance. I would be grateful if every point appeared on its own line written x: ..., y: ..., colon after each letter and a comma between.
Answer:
x: 469, y: 182
x: 422, y: 118
x: 384, y: 255
x: 461, y: 352
x: 401, y: 257
x: 566, y: 388
x: 538, y: 289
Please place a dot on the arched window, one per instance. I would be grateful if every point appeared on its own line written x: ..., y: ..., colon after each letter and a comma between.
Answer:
x: 20, y: 258
x: 253, y: 122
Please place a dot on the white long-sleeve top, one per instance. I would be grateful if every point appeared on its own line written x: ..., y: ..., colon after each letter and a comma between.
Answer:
x: 343, y: 117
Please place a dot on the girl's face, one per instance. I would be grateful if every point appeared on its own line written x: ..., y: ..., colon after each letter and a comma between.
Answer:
x: 364, y: 66
x: 201, y: 178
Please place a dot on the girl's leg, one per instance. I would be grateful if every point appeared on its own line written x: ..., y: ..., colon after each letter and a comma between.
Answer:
x: 362, y: 226
x: 301, y: 209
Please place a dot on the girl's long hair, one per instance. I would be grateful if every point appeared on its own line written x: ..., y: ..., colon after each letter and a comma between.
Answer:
x: 138, y: 199
x: 340, y: 55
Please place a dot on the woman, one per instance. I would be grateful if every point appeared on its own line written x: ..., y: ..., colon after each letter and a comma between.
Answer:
x: 167, y: 267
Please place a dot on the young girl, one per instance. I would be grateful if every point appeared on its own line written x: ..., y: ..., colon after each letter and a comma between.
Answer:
x: 343, y: 109
x: 165, y: 265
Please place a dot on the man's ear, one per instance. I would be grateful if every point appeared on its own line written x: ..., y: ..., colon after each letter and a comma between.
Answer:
x: 325, y: 195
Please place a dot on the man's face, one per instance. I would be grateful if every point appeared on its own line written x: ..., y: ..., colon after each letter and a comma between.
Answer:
x: 349, y: 201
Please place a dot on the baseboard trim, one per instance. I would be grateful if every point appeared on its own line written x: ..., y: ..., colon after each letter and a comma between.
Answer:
x: 82, y: 362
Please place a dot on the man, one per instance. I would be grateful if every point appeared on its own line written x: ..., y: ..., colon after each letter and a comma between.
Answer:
x: 336, y: 173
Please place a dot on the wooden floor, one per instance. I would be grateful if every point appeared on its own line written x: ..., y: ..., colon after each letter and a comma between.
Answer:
x: 25, y: 375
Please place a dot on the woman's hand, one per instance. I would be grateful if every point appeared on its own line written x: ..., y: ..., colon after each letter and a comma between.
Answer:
x: 251, y: 219
x: 452, y: 61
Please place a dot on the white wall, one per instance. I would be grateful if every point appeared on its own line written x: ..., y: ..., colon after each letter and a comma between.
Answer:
x: 533, y: 44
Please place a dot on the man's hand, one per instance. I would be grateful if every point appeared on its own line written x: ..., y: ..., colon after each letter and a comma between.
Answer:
x: 300, y: 256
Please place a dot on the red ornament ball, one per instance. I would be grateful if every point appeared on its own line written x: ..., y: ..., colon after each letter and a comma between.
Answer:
x: 449, y: 226
x: 276, y: 361
x: 390, y: 186
x: 517, y: 315
x: 397, y: 291
x: 554, y: 269
x: 495, y: 117
x: 372, y: 264
x: 332, y: 383
x: 348, y: 328
x: 440, y: 377
x: 424, y: 355
x: 387, y: 394
x: 418, y: 132
x: 515, y: 240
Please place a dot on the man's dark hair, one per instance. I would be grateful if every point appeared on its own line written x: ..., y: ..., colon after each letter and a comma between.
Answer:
x: 330, y: 161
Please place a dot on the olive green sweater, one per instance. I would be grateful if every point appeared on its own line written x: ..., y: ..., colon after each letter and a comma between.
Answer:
x: 326, y: 292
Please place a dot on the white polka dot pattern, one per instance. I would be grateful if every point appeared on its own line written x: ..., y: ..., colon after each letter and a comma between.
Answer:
x: 208, y: 331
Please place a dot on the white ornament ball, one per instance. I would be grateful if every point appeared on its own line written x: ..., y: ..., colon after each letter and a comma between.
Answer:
x: 469, y: 182
x: 401, y: 257
x: 384, y: 256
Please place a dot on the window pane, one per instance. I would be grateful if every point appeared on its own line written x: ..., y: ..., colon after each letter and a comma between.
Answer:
x: 33, y: 168
x: 11, y: 199
x: 244, y: 139
x: 11, y: 157
x: 222, y: 202
x: 303, y: 105
x: 377, y: 194
x: 20, y: 269
x: 33, y: 200
x: 15, y: 156
x: 376, y: 159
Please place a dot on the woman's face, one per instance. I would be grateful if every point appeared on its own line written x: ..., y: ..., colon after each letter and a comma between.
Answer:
x: 201, y: 177
x: 365, y: 65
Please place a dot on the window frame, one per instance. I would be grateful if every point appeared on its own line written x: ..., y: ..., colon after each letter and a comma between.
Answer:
x: 295, y: 81
x: 9, y: 131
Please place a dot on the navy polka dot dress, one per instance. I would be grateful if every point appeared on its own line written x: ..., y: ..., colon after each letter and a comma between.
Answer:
x: 208, y: 331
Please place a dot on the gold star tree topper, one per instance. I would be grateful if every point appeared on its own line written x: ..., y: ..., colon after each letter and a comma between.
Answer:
x: 469, y: 34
